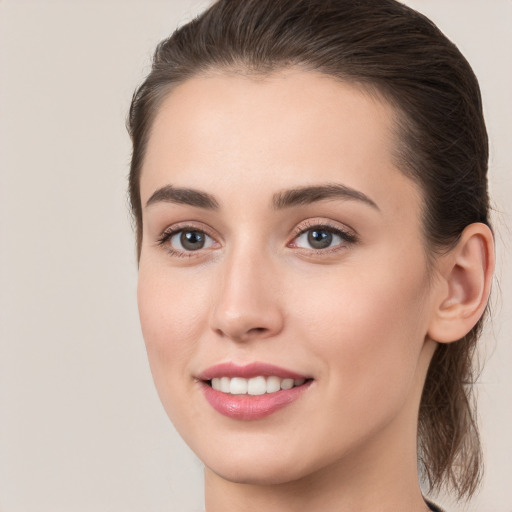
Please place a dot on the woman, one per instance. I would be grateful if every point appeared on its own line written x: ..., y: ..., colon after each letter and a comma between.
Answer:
x: 309, y: 188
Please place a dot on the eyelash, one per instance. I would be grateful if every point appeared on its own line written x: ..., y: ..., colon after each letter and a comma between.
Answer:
x: 347, y: 238
x: 175, y: 230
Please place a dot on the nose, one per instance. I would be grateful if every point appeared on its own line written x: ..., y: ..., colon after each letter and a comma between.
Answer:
x: 247, y: 305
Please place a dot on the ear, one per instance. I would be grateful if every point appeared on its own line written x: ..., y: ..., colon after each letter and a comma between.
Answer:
x: 463, y: 285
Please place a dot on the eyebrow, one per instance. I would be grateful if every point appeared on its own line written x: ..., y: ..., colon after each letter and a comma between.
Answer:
x: 307, y: 195
x: 286, y: 199
x: 188, y: 196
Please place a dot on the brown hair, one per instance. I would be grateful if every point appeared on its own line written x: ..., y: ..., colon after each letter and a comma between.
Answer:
x: 393, y: 51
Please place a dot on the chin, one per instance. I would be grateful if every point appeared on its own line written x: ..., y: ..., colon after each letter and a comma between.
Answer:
x: 256, y: 474
x: 271, y: 465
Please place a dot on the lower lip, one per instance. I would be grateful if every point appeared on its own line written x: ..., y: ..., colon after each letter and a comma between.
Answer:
x: 251, y: 407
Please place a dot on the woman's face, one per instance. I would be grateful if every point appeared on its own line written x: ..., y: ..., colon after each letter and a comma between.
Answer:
x: 281, y: 246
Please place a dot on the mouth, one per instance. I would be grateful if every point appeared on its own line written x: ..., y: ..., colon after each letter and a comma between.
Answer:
x: 253, y: 391
x: 255, y: 386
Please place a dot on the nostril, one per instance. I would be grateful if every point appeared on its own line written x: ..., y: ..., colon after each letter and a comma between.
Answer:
x: 257, y: 330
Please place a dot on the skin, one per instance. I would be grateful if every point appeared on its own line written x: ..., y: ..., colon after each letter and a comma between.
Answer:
x: 355, y: 316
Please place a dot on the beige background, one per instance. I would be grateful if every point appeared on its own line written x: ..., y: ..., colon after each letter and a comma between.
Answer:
x: 81, y: 428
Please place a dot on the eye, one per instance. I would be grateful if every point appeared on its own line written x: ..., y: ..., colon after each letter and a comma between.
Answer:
x: 187, y: 240
x: 190, y: 240
x: 318, y: 238
x: 321, y: 237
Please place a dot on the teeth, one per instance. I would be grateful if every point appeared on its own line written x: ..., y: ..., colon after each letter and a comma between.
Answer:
x: 224, y: 384
x: 238, y: 386
x: 287, y: 384
x: 273, y: 384
x: 254, y: 386
x: 257, y: 386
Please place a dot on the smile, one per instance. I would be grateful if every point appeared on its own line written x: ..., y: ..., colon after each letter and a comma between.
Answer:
x: 252, y: 391
x: 255, y: 386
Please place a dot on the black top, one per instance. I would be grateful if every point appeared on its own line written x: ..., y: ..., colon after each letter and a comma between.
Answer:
x: 433, y: 506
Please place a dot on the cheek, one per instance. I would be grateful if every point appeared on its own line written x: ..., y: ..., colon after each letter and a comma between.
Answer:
x: 171, y: 319
x: 368, y: 328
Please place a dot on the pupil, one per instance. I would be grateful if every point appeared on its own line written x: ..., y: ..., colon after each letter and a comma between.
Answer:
x: 192, y: 240
x: 319, y: 239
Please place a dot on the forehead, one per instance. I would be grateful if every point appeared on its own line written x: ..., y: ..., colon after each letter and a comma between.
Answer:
x: 272, y: 132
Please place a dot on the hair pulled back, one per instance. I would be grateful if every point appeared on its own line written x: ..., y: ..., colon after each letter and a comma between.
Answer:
x: 394, y: 52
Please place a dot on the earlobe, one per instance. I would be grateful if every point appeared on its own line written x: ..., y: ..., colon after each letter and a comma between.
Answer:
x: 464, y: 285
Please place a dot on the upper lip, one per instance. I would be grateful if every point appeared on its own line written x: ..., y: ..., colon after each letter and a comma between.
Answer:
x: 256, y: 369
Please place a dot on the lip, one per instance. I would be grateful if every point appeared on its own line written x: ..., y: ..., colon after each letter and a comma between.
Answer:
x: 248, y: 371
x: 250, y: 407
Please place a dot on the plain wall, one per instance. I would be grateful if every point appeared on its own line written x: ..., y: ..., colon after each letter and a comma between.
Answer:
x: 81, y: 427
